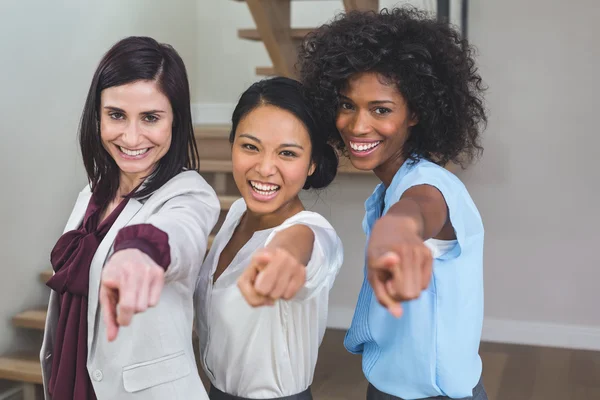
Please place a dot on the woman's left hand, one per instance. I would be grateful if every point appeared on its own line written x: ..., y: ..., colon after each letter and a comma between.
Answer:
x: 131, y: 283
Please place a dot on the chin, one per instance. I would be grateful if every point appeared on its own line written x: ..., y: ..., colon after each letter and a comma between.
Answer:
x: 260, y: 208
x: 364, y: 164
x: 132, y: 168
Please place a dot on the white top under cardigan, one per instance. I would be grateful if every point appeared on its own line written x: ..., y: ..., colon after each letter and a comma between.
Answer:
x: 269, y: 351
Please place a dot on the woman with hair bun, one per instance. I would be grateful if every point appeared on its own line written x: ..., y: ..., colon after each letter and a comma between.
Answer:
x: 263, y: 292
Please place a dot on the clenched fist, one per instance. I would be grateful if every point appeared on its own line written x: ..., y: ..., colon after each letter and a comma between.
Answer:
x: 273, y: 274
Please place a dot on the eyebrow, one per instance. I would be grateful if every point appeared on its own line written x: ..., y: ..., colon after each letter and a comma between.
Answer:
x: 117, y: 109
x: 257, y: 140
x: 373, y: 103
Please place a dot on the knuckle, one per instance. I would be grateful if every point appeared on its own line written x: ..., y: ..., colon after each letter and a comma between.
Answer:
x: 126, y: 307
x: 302, y: 272
x: 254, y: 303
x: 141, y: 308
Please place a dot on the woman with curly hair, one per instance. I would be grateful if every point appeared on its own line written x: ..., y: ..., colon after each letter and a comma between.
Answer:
x: 406, y: 98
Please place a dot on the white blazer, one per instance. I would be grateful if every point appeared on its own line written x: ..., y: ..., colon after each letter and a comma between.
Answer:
x: 152, y: 358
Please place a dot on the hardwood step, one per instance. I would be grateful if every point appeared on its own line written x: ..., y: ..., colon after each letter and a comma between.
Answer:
x: 241, y: 1
x: 253, y: 34
x: 227, y: 201
x: 225, y: 166
x: 45, y: 275
x: 31, y: 319
x: 21, y: 368
x: 265, y: 71
x: 213, y: 142
x: 212, y: 131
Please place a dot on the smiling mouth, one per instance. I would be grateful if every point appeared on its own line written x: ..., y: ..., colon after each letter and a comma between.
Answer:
x: 264, y: 189
x: 133, y: 153
x: 364, y: 147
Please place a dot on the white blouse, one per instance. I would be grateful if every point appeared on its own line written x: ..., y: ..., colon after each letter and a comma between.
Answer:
x: 268, y: 351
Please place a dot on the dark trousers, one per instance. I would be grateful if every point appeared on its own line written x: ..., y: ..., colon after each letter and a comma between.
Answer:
x: 216, y: 394
x: 375, y: 394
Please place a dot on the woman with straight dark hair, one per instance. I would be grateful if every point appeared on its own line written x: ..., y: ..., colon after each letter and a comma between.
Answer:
x: 270, y: 252
x: 138, y: 233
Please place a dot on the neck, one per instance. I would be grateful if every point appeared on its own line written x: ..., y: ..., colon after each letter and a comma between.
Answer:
x: 127, y: 183
x: 388, y: 169
x: 258, y: 222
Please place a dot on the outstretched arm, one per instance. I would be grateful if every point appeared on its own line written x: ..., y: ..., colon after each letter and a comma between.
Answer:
x: 399, y: 264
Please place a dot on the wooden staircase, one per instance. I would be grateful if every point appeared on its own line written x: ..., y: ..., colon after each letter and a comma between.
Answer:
x: 215, y: 166
x: 273, y: 28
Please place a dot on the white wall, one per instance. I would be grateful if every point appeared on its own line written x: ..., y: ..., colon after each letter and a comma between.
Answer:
x: 49, y: 51
x: 536, y: 185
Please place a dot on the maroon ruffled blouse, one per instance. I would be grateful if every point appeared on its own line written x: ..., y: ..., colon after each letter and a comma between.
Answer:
x: 71, y: 259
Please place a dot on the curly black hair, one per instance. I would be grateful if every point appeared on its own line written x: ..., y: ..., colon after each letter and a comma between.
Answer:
x: 432, y: 66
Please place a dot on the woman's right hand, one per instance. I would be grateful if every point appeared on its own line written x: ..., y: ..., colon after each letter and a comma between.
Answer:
x: 273, y: 274
x: 131, y: 283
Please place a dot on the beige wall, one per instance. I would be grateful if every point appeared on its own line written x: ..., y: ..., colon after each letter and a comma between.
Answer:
x: 49, y: 51
x: 538, y: 184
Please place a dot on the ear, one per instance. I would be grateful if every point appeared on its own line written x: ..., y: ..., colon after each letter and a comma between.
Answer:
x: 312, y: 168
x: 414, y: 119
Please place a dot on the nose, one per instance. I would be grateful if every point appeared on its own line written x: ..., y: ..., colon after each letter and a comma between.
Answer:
x: 359, y: 124
x: 131, y: 134
x: 266, y: 166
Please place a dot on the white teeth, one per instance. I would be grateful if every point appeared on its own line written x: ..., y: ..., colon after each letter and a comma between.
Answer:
x: 363, y: 146
x: 264, y: 189
x: 133, y: 152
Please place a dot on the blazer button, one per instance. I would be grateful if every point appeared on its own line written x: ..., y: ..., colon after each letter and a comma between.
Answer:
x: 97, y: 375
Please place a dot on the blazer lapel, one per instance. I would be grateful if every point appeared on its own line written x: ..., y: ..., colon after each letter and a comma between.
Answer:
x: 132, y: 207
x: 78, y: 212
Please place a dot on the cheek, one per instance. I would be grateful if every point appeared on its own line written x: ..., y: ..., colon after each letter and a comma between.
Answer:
x: 161, y: 135
x: 108, y: 132
x: 341, y: 122
x: 241, y: 164
x: 392, y: 129
x: 295, y: 174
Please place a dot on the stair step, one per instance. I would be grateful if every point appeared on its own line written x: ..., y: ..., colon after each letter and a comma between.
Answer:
x: 227, y: 201
x: 241, y: 1
x: 212, y: 131
x: 253, y: 34
x: 21, y: 368
x: 215, y: 166
x: 45, y: 275
x: 265, y: 71
x: 225, y: 166
x: 31, y: 319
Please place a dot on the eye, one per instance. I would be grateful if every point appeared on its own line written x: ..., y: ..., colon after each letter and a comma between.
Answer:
x: 150, y: 118
x: 288, y: 153
x: 382, y: 110
x: 116, y: 115
x: 250, y: 147
x: 344, y: 105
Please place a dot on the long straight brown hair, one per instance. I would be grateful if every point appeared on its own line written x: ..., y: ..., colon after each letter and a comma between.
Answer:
x: 134, y: 59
